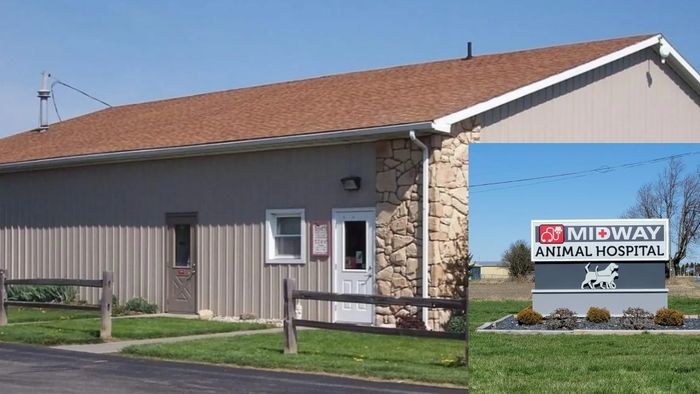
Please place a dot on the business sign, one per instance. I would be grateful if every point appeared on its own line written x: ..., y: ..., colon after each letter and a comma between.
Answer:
x: 611, y: 263
x: 600, y: 240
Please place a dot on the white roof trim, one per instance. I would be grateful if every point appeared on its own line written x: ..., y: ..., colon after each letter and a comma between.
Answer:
x: 682, y: 66
x: 218, y: 148
x: 445, y: 123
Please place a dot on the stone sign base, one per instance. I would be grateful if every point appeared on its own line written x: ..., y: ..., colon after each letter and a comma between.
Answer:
x: 546, y: 301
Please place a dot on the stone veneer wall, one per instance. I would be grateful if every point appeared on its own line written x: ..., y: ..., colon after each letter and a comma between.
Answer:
x: 398, y: 244
x: 448, y: 214
x: 399, y: 219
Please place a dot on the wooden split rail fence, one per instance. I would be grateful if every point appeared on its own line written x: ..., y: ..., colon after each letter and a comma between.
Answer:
x: 105, y: 306
x: 291, y: 294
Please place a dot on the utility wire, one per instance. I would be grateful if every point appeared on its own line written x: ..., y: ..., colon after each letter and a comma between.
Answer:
x: 81, y: 92
x: 53, y: 96
x: 520, y: 185
x: 599, y: 170
x: 53, y: 101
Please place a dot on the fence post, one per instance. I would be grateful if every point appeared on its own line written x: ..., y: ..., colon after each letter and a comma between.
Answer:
x: 106, y: 306
x: 290, y: 331
x: 3, y: 313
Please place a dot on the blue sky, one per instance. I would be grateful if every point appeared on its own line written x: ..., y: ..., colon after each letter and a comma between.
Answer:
x: 134, y: 51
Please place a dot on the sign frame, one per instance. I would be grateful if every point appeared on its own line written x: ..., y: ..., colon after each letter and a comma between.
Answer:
x: 588, y: 245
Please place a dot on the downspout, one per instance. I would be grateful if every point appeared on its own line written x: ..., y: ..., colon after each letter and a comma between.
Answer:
x: 424, y: 221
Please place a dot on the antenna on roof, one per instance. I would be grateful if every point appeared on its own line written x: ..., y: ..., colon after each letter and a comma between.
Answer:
x: 44, y: 93
x: 469, y: 51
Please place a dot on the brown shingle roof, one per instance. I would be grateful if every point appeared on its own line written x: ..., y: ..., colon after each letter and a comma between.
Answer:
x: 397, y: 95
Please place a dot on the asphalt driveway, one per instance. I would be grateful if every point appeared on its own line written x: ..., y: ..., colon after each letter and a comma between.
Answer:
x: 28, y: 369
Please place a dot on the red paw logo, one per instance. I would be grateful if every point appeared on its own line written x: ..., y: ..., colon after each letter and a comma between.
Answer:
x: 551, y: 234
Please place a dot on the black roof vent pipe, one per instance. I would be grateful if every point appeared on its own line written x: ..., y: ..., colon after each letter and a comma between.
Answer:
x: 469, y: 51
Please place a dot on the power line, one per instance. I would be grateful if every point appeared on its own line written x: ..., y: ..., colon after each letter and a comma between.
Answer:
x: 575, y: 174
x: 81, y: 92
x: 55, y: 106
x: 517, y: 186
x: 53, y: 96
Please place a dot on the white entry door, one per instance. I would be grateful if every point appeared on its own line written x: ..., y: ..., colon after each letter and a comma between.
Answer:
x: 353, y: 262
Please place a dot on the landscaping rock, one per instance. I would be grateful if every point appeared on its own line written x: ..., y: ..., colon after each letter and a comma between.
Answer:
x: 205, y: 314
x: 237, y: 319
x: 615, y: 323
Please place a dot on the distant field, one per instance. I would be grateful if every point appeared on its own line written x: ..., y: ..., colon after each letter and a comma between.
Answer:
x: 495, y: 290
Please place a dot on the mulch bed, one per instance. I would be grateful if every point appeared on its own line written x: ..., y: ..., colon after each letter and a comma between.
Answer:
x: 510, y: 323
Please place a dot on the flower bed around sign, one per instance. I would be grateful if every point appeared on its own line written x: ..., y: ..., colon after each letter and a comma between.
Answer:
x: 563, y: 319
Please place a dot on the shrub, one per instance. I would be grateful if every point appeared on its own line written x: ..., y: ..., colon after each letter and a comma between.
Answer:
x: 410, y: 321
x: 668, y: 317
x: 458, y: 268
x: 636, y: 319
x: 457, y: 324
x: 598, y: 315
x: 247, y: 316
x: 528, y: 316
x: 57, y: 294
x: 517, y: 258
x: 139, y: 305
x: 117, y: 309
x: 561, y: 318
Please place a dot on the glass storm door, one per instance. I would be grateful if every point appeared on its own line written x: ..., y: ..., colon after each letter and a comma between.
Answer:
x: 181, y: 269
x: 354, y: 263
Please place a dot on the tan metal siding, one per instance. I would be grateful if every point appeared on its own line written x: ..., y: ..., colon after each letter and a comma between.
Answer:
x: 634, y: 99
x: 77, y: 222
x: 84, y: 252
x: 254, y: 288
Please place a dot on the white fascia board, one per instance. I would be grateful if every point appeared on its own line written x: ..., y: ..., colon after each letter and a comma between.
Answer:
x: 444, y: 123
x: 681, y: 65
x: 217, y: 148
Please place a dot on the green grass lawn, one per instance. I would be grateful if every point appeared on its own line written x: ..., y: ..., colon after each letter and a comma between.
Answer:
x: 88, y: 330
x: 24, y: 315
x: 499, y: 363
x: 687, y: 305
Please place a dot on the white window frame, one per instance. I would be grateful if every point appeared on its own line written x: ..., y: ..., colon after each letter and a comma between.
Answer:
x: 271, y: 216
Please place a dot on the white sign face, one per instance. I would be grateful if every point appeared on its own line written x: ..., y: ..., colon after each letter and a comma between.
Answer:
x: 600, y: 240
x: 319, y: 239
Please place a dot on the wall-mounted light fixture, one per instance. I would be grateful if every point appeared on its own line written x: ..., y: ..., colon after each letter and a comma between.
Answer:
x: 351, y: 182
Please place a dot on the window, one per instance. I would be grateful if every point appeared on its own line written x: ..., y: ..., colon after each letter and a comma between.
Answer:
x: 285, y: 236
x: 181, y: 241
x: 355, y: 245
x: 182, y: 245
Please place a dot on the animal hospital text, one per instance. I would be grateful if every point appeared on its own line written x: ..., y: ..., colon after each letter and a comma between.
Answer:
x: 602, y: 251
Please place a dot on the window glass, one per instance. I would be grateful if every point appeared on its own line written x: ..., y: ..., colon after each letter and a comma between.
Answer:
x: 288, y: 226
x: 288, y: 246
x: 182, y: 245
x: 355, y: 245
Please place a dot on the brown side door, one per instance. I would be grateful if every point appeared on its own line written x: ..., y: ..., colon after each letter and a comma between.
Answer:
x: 180, y: 263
